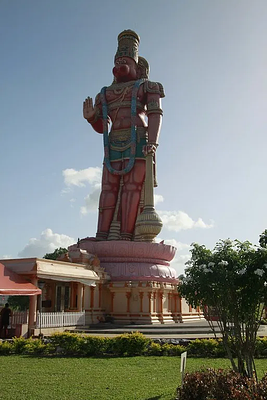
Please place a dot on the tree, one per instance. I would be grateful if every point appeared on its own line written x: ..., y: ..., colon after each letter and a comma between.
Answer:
x: 19, y: 303
x: 230, y: 283
x: 54, y: 256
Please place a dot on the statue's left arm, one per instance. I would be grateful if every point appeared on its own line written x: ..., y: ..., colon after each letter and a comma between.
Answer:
x: 154, y: 92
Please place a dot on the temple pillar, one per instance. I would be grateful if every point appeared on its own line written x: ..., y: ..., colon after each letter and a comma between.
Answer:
x: 179, y: 304
x: 112, y: 302
x: 154, y: 302
x: 92, y: 296
x: 32, y: 312
x: 175, y: 302
x: 79, y: 297
x: 32, y: 309
x: 128, y: 297
x: 141, y: 295
x: 100, y: 295
x: 160, y: 303
x: 149, y: 295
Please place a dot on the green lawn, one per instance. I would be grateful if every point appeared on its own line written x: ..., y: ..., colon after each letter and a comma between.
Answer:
x: 135, y: 378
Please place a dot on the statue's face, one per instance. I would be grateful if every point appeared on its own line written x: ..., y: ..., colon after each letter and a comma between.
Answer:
x: 125, y: 69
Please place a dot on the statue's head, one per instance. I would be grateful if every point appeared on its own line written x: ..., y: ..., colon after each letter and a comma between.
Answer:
x: 125, y: 69
x: 126, y: 57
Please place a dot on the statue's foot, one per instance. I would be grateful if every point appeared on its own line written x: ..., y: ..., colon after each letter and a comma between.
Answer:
x: 126, y: 236
x: 101, y: 236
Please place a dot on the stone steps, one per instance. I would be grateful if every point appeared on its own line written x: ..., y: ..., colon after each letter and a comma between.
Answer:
x: 185, y: 330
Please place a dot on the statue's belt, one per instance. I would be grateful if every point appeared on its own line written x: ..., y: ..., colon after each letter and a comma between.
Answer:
x: 123, y: 136
x: 125, y: 104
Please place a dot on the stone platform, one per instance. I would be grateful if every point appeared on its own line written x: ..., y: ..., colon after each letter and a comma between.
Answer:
x: 142, y: 285
x: 133, y: 261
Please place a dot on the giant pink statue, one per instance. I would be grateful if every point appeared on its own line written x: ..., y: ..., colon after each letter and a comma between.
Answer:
x: 141, y: 285
x: 128, y: 113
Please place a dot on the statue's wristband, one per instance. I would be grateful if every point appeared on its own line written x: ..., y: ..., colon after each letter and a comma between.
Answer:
x: 153, y: 144
x: 95, y: 118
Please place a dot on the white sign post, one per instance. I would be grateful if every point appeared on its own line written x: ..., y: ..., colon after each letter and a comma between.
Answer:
x: 183, y: 365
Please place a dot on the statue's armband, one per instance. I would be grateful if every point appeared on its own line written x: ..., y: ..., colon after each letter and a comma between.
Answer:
x: 154, y: 91
x: 153, y: 107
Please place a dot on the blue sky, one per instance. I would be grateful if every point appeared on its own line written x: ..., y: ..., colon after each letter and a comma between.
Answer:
x: 210, y: 57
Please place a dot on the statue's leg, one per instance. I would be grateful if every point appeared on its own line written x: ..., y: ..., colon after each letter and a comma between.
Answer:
x: 131, y: 194
x: 107, y: 201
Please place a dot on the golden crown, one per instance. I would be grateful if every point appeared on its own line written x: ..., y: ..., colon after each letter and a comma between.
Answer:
x: 128, y: 43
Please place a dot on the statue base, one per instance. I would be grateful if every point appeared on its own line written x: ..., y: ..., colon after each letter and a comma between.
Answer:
x: 135, y: 261
x: 143, y: 286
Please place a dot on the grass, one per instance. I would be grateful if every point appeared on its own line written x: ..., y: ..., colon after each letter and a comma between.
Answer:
x: 134, y: 378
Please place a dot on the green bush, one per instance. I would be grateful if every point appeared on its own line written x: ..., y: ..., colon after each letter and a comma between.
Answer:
x: 221, y: 385
x: 94, y: 345
x: 130, y: 344
x: 154, y: 349
x: 206, y: 348
x: 172, y: 349
x: 36, y: 347
x: 5, y: 348
x: 19, y: 345
x: 261, y: 347
x: 66, y: 343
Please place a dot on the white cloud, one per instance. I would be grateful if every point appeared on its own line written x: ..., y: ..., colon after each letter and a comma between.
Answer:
x: 201, y: 224
x: 91, y: 201
x: 173, y: 242
x: 47, y: 243
x: 5, y: 257
x: 72, y: 201
x: 178, y: 263
x: 179, y: 220
x: 158, y: 198
x: 91, y: 175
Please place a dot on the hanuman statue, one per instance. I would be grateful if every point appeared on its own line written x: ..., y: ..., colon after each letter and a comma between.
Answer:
x: 128, y: 113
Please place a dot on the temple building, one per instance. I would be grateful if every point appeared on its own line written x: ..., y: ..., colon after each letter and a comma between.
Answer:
x: 82, y: 290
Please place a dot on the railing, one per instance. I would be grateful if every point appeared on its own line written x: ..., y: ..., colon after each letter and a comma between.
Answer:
x: 19, y: 317
x: 60, y: 319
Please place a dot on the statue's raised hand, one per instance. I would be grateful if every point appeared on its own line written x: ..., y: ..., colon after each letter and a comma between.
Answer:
x: 89, y: 111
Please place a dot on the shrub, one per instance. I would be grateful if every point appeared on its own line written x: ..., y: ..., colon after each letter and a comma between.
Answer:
x: 206, y: 348
x: 66, y: 343
x: 221, y: 385
x: 130, y: 344
x: 262, y: 388
x: 19, y: 345
x: 172, y: 349
x: 36, y: 347
x: 5, y: 348
x: 124, y: 345
x: 94, y: 346
x: 154, y: 349
x: 261, y: 347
